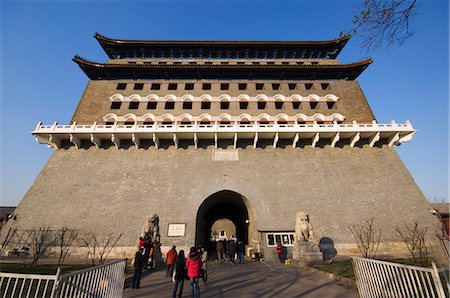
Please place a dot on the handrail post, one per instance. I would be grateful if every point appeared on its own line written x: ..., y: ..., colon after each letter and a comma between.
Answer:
x: 437, y: 280
x: 56, y: 284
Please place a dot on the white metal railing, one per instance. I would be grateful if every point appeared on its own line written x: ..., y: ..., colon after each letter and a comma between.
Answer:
x: 106, y: 280
x: 377, y: 279
x: 102, y: 281
x: 28, y: 285
x: 217, y: 126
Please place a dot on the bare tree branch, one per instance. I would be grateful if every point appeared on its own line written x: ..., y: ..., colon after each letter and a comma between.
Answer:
x: 414, y: 239
x: 367, y: 238
x: 99, y: 249
x: 383, y: 23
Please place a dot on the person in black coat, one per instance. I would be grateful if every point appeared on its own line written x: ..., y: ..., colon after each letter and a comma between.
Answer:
x: 138, y: 265
x: 179, y: 274
x: 232, y: 250
x: 240, y: 251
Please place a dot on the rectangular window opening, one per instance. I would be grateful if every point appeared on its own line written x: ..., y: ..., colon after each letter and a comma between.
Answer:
x: 278, y: 105
x: 206, y: 86
x: 224, y: 105
x: 170, y: 105
x: 275, y: 86
x: 261, y: 105
x: 292, y: 86
x: 151, y: 105
x: 313, y: 105
x: 242, y: 86
x: 296, y: 105
x: 187, y: 105
x: 172, y: 86
x: 156, y: 86
x: 314, y: 63
x: 115, y: 105
x: 259, y: 86
x: 330, y: 104
x: 189, y: 86
x: 121, y: 86
x: 224, y: 86
x: 325, y: 86
x: 243, y: 105
x: 308, y: 86
x: 138, y: 86
x: 134, y: 105
x: 206, y: 105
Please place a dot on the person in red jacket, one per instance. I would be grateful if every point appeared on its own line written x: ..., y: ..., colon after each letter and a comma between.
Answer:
x: 171, y: 256
x: 194, y: 266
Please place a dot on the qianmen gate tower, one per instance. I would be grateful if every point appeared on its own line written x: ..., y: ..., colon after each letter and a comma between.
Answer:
x: 249, y: 131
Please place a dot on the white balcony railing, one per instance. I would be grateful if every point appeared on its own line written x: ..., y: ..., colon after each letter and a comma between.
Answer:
x: 372, y: 133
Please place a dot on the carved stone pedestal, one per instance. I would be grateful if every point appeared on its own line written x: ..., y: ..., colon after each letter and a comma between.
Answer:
x: 306, y: 253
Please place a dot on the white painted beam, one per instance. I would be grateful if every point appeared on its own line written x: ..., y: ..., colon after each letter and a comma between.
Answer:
x: 216, y: 145
x: 54, y: 141
x: 394, y: 140
x: 315, y: 140
x: 136, y: 140
x: 195, y: 140
x: 96, y: 141
x: 275, y: 140
x: 355, y: 139
x: 156, y: 140
x: 375, y: 138
x: 296, y: 139
x: 255, y: 140
x: 115, y: 141
x: 335, y: 140
x: 75, y: 140
x: 235, y: 140
x: 175, y: 140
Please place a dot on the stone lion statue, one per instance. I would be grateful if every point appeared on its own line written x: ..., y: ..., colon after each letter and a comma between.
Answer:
x: 303, y: 228
x: 151, y: 228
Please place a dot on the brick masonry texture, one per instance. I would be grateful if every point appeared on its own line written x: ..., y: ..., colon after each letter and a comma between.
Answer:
x: 115, y: 190
x: 95, y: 103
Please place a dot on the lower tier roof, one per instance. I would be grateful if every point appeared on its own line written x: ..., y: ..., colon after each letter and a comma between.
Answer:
x: 117, y: 71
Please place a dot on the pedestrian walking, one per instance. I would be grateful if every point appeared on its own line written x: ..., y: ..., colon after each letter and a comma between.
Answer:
x: 240, y: 251
x: 204, y: 257
x: 171, y: 257
x: 232, y: 250
x: 138, y: 265
x: 220, y: 251
x: 281, y: 251
x: 179, y: 274
x: 193, y: 265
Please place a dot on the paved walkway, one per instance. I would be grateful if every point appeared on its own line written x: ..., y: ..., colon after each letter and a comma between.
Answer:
x: 252, y: 279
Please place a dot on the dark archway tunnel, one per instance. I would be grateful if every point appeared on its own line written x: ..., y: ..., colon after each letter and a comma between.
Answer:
x: 223, y: 204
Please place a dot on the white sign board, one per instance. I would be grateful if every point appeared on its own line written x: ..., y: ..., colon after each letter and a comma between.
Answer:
x: 176, y: 230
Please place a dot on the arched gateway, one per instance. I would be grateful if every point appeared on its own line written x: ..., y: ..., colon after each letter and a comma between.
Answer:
x: 225, y: 204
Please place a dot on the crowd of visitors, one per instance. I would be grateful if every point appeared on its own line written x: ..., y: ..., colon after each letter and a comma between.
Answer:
x: 180, y: 268
x: 230, y: 249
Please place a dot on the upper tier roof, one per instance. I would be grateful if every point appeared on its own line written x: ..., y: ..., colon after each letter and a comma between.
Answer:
x: 115, y: 71
x: 216, y: 49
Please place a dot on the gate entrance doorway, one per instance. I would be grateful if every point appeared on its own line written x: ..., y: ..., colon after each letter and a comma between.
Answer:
x: 226, y: 209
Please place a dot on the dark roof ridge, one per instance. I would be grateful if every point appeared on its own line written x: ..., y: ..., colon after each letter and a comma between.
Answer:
x: 103, y: 38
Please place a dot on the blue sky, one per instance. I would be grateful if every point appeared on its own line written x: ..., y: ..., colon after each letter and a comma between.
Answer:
x: 39, y: 82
